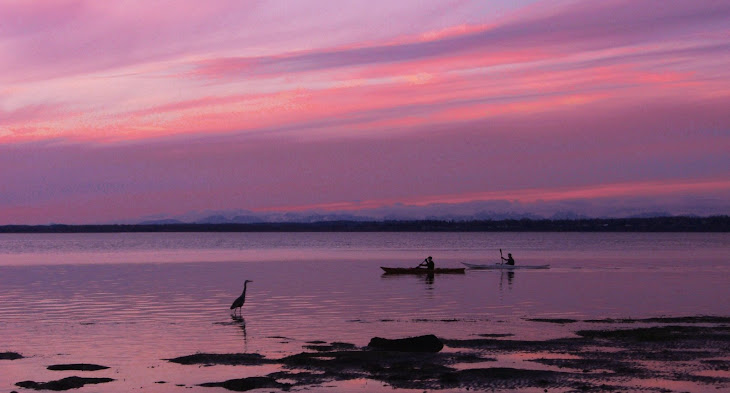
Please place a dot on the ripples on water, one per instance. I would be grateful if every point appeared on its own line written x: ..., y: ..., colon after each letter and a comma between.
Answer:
x: 130, y: 300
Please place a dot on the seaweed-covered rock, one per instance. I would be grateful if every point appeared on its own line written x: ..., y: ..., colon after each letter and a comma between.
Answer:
x: 668, y: 333
x: 560, y: 321
x: 62, y: 384
x: 10, y: 356
x: 427, y: 343
x: 593, y: 360
x: 236, y: 359
x: 244, y: 384
x: 323, y: 347
x: 76, y: 367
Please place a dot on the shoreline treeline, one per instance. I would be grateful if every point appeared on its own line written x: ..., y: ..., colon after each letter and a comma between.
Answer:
x: 653, y: 224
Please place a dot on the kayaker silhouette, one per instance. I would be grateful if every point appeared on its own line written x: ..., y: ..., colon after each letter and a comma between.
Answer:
x: 427, y: 263
x: 509, y: 260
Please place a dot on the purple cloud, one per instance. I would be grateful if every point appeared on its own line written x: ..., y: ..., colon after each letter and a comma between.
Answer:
x: 590, y: 25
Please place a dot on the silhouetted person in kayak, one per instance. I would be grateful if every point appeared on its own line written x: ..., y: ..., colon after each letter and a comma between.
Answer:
x: 427, y: 263
x: 509, y: 260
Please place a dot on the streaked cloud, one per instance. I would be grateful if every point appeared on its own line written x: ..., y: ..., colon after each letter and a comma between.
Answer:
x: 170, y: 106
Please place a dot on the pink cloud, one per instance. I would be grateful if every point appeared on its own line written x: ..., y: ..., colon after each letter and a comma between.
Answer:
x: 535, y: 151
x: 38, y: 112
x: 239, y: 105
x: 433, y: 61
x: 634, y: 189
x: 577, y: 28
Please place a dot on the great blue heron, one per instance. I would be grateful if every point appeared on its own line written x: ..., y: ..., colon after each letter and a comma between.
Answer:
x: 238, y: 303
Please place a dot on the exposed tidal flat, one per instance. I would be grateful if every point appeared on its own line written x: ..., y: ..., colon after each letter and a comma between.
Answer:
x: 615, y: 312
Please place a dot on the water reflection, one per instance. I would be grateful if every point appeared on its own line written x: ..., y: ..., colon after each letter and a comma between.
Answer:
x: 427, y: 279
x: 509, y: 277
x: 132, y: 314
x: 240, y: 322
x: 242, y: 325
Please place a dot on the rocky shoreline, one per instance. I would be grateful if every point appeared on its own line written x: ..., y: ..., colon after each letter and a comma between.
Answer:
x: 677, y: 350
x: 595, y: 360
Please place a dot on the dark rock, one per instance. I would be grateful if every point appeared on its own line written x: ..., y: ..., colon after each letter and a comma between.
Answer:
x: 244, y: 359
x: 331, y: 347
x: 689, y: 320
x: 77, y: 367
x: 62, y: 384
x: 428, y: 343
x: 617, y: 366
x: 657, y: 334
x: 717, y: 364
x: 337, y: 360
x: 560, y: 321
x: 10, y: 356
x: 509, y: 378
x: 244, y: 384
x: 596, y: 361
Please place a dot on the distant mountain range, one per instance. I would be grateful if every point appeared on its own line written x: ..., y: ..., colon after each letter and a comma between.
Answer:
x: 635, y: 207
x: 309, y: 217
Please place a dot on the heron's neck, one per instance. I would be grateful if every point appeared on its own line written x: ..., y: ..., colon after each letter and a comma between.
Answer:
x: 244, y: 288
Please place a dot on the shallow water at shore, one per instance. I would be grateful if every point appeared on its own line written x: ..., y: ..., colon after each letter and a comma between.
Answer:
x: 129, y: 301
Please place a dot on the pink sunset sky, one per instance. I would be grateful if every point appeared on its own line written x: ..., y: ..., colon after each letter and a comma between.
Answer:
x: 124, y: 110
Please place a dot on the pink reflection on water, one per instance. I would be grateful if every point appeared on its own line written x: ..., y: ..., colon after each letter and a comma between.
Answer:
x: 130, y: 314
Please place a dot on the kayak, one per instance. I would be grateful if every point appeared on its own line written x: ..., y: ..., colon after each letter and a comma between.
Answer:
x: 502, y: 266
x: 417, y: 270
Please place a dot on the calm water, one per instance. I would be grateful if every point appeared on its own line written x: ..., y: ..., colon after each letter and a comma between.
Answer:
x: 129, y: 301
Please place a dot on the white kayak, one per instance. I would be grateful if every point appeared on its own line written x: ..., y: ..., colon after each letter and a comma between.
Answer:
x: 504, y: 266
